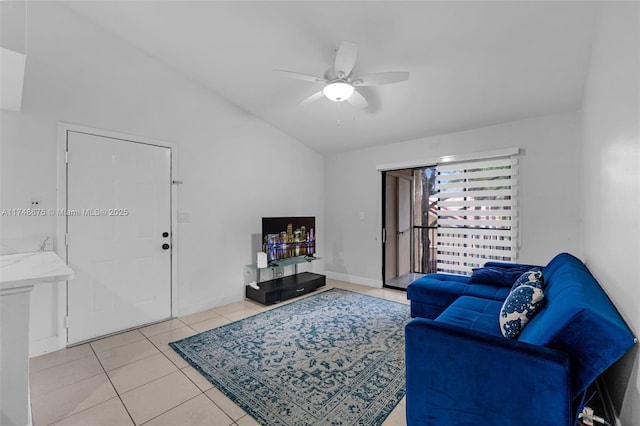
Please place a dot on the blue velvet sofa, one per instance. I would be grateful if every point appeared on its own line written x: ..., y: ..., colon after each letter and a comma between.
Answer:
x: 461, y: 370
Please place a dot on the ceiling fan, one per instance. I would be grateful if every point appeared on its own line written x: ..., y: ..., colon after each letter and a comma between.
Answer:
x: 340, y: 85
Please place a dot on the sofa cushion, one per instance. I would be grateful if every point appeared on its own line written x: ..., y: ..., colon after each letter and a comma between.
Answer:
x: 531, y: 277
x: 498, y: 275
x: 433, y: 293
x: 518, y: 308
x: 473, y: 313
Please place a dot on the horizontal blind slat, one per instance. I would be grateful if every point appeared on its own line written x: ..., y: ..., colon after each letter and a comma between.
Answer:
x: 471, y: 212
x: 476, y: 251
x: 468, y: 261
x: 493, y: 183
x: 450, y: 269
x: 469, y: 165
x: 482, y: 223
x: 470, y: 194
x: 474, y: 232
x: 453, y: 202
x: 479, y: 174
x: 503, y: 245
x: 472, y: 261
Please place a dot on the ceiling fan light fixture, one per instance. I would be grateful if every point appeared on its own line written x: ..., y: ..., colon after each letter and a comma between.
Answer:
x: 338, y: 91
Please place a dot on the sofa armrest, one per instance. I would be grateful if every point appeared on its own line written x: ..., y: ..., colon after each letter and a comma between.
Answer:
x: 510, y: 265
x: 458, y: 376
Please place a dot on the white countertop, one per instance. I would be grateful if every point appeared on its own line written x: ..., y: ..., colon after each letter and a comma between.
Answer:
x: 39, y: 266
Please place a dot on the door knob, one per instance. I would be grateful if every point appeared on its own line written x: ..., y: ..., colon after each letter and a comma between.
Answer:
x: 165, y: 246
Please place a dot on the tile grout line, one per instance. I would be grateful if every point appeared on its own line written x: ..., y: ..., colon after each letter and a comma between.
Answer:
x: 184, y: 402
x: 201, y: 392
x: 233, y: 421
x: 113, y: 386
x: 162, y: 353
x: 31, y: 372
x: 41, y: 393
x: 119, y: 395
x: 162, y: 332
x: 172, y: 408
x: 160, y: 349
x: 101, y: 402
x: 110, y: 348
x: 146, y: 383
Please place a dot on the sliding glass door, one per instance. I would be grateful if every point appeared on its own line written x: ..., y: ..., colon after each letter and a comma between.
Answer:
x: 409, y: 225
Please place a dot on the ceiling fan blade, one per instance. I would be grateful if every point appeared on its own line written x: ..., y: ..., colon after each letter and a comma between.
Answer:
x: 357, y: 100
x: 381, y: 78
x: 301, y: 76
x: 345, y: 58
x: 312, y: 98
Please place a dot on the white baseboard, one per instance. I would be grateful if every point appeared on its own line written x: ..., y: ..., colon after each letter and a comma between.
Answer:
x: 354, y: 279
x: 46, y: 345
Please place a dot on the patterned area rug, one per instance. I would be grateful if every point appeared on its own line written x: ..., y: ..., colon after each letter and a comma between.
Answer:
x: 333, y: 358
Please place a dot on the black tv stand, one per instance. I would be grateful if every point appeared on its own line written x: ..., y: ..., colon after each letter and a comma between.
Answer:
x: 281, y: 289
x: 278, y: 288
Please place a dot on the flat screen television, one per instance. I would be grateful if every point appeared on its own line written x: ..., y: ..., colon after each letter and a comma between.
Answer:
x: 284, y: 237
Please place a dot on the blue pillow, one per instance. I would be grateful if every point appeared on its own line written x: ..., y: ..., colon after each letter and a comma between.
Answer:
x: 518, y: 308
x: 498, y: 275
x: 532, y: 277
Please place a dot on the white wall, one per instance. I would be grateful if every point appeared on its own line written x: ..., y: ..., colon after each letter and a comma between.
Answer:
x: 610, y: 174
x: 235, y: 167
x: 549, y: 191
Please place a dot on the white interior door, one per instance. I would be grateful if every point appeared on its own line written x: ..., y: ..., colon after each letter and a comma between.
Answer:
x: 119, y: 209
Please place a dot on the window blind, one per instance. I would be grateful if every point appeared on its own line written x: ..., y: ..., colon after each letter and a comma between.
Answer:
x: 477, y: 213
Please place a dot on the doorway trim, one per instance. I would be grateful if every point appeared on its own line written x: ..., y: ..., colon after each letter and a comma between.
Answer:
x: 61, y: 203
x: 385, y: 231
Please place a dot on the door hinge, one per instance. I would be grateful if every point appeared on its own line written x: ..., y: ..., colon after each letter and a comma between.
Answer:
x: 66, y: 239
x: 66, y: 321
x: 66, y: 157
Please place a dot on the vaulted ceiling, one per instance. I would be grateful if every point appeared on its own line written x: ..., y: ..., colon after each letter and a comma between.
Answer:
x: 471, y: 64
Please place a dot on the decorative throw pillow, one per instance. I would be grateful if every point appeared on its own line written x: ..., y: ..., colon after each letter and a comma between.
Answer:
x: 532, y: 277
x: 519, y: 307
x: 503, y: 276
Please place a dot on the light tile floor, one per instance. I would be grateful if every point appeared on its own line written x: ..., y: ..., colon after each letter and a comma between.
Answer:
x: 135, y: 378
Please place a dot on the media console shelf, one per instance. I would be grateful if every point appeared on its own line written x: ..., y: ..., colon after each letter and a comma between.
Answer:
x: 282, y: 287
